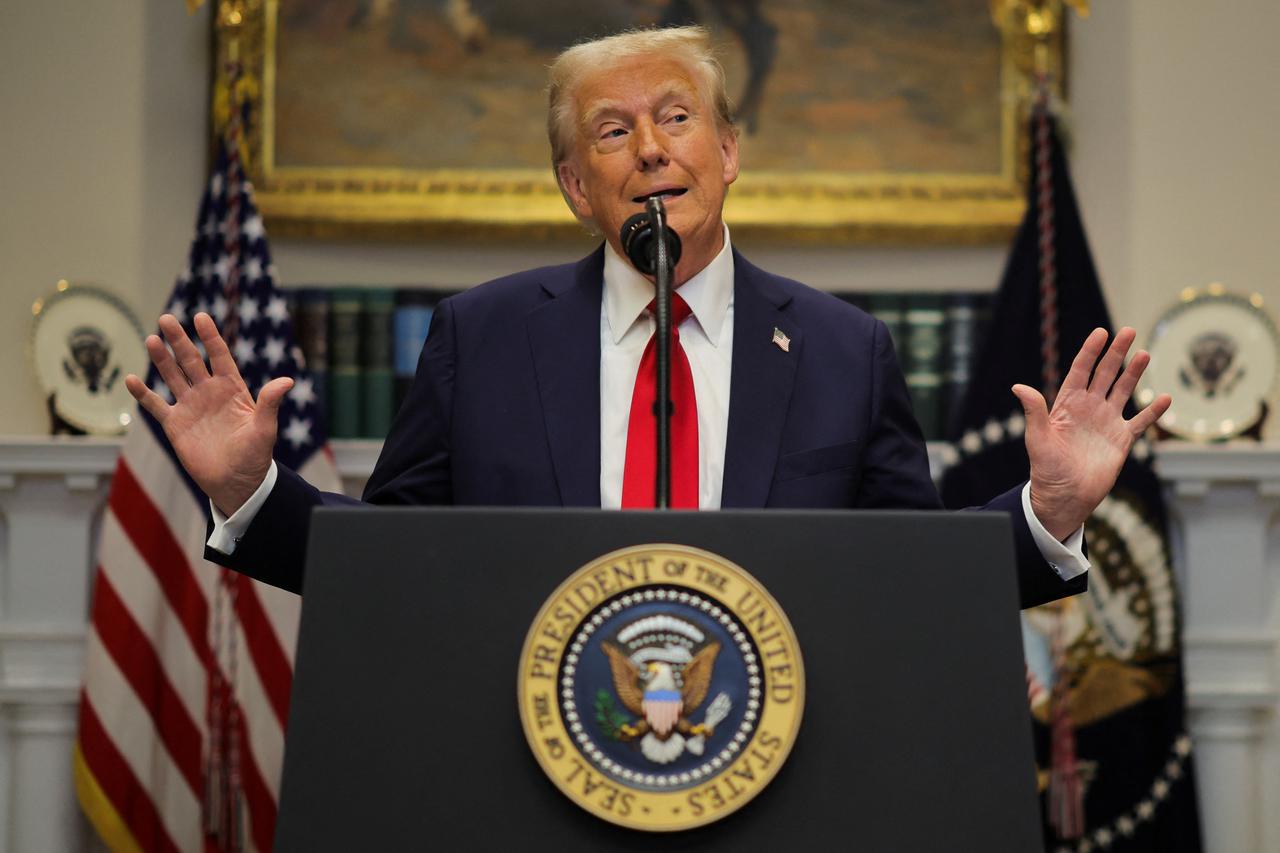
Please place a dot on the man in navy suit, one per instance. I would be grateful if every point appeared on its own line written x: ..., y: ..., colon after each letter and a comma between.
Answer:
x: 524, y: 386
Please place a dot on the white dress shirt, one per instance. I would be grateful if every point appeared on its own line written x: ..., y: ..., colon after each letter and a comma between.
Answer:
x: 707, y: 337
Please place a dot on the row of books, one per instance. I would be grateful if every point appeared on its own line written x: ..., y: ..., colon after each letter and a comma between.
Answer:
x: 936, y: 336
x: 362, y: 345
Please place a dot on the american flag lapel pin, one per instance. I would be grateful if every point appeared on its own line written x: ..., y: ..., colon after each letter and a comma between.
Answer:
x: 780, y: 338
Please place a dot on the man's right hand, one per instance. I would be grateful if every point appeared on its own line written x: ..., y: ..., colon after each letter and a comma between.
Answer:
x: 221, y: 436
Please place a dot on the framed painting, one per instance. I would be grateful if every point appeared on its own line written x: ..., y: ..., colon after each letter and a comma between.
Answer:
x: 887, y: 121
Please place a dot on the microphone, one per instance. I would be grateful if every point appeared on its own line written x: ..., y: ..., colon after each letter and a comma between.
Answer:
x: 638, y: 238
x: 647, y: 239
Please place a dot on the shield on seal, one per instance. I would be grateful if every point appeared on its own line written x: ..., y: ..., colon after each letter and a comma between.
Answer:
x: 662, y: 709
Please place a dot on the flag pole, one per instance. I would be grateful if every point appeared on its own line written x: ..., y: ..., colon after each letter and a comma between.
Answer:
x: 224, y: 800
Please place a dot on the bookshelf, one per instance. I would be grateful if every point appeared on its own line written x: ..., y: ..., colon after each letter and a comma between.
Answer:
x: 362, y: 346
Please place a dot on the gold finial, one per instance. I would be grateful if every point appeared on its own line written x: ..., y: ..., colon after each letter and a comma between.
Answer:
x: 230, y: 17
x: 1216, y: 289
x: 63, y: 284
x: 1034, y: 26
x: 230, y: 13
x: 236, y: 81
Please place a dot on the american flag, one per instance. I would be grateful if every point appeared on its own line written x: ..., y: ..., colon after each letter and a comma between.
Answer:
x: 188, y: 665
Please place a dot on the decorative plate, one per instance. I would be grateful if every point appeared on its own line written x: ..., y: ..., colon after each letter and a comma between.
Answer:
x: 1218, y: 354
x: 83, y: 342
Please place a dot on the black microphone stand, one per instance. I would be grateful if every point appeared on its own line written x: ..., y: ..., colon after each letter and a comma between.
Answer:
x: 662, y: 411
x: 654, y: 249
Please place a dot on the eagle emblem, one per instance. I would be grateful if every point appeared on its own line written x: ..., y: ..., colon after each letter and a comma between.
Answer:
x: 644, y: 692
x: 662, y: 668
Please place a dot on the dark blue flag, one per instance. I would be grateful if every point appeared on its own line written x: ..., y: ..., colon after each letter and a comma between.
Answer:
x: 1104, y: 668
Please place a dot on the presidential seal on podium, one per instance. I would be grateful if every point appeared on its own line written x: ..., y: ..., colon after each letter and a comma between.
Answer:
x: 661, y: 687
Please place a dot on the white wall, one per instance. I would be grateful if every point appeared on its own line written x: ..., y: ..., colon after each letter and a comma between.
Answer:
x: 1177, y: 115
x: 104, y: 145
x: 102, y: 152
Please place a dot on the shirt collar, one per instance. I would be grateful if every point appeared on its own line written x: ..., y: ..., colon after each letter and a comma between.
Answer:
x: 709, y: 293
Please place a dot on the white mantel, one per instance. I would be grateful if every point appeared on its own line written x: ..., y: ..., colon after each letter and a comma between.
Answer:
x: 1227, y: 553
x: 1226, y: 545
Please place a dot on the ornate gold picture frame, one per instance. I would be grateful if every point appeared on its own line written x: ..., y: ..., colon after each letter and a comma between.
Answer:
x: 349, y: 101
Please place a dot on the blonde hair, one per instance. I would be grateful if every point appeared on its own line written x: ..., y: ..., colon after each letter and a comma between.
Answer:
x: 690, y: 44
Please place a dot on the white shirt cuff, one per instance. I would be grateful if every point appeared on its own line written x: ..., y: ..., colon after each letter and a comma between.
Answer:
x: 1066, y: 558
x: 228, y: 530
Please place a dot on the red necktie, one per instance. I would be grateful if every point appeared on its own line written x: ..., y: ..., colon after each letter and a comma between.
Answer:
x: 642, y: 442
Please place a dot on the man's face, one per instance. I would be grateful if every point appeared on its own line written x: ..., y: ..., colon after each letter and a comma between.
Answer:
x: 644, y: 127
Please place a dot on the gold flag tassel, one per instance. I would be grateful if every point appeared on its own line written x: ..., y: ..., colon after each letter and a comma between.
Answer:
x: 216, y: 776
x: 235, y: 790
x: 224, y: 816
x: 1066, y: 785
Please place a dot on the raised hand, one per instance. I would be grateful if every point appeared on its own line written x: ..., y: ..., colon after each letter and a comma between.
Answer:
x: 1078, y: 448
x: 219, y: 433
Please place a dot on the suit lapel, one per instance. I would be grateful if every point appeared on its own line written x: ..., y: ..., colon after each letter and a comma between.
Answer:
x: 564, y: 336
x: 760, y: 390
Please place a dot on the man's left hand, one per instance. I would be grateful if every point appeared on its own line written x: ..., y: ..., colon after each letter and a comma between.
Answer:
x: 1078, y: 448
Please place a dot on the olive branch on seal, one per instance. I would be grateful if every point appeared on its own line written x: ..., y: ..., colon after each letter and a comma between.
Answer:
x: 611, y: 720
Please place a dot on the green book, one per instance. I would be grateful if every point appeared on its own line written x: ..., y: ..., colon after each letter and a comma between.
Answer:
x: 962, y: 344
x: 925, y: 333
x: 345, y: 403
x: 378, y: 384
x: 890, y: 309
